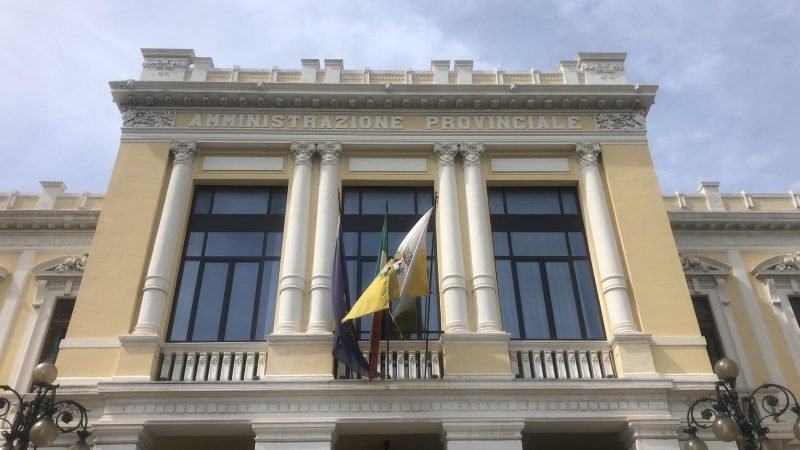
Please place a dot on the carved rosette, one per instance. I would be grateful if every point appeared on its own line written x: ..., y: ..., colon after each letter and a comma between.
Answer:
x: 133, y: 118
x: 445, y: 154
x: 472, y: 154
x: 329, y: 152
x: 165, y: 66
x: 588, y: 154
x: 302, y: 152
x: 622, y: 121
x: 607, y: 71
x: 183, y: 151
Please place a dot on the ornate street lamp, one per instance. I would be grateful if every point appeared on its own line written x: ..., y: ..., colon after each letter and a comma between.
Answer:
x: 40, y: 420
x: 734, y: 416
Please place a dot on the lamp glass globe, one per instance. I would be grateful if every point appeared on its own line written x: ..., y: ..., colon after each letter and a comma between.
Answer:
x: 726, y: 369
x: 695, y: 443
x: 44, y: 373
x: 43, y: 432
x: 725, y: 428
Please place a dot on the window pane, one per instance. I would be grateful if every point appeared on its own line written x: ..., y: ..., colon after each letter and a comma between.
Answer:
x: 234, y: 243
x: 395, y: 239
x: 240, y: 307
x: 562, y: 296
x: 350, y: 244
x: 508, y: 303
x: 588, y: 294
x: 496, y: 202
x: 568, y: 202
x: 399, y: 201
x: 500, y: 243
x: 708, y: 328
x: 534, y: 312
x: 195, y: 245
x: 57, y: 329
x: 183, y: 305
x: 239, y: 202
x: 350, y: 202
x: 370, y: 243
x: 202, y: 202
x: 539, y: 244
x: 433, y: 323
x: 266, y: 302
x: 352, y: 277
x: 577, y: 244
x: 274, y: 243
x: 424, y: 202
x: 209, y: 305
x: 520, y: 201
x: 277, y: 203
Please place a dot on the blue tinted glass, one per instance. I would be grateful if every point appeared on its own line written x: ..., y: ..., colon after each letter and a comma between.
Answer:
x: 588, y: 294
x: 202, y: 202
x: 183, y: 306
x: 266, y: 302
x: 500, y: 243
x: 433, y: 324
x: 350, y: 202
x: 274, y: 243
x: 352, y: 277
x: 195, y: 245
x: 234, y: 243
x: 239, y: 202
x: 534, y: 312
x: 508, y: 303
x: 539, y: 244
x: 424, y: 202
x: 429, y: 244
x: 242, y: 300
x: 569, y: 203
x: 562, y: 297
x: 367, y: 275
x: 277, y: 204
x: 496, y: 202
x: 399, y: 201
x: 522, y: 201
x: 395, y: 239
x: 577, y: 244
x: 350, y: 244
x: 370, y: 243
x: 209, y: 305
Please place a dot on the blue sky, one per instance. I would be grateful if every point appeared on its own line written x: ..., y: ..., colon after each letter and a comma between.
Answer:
x: 728, y: 70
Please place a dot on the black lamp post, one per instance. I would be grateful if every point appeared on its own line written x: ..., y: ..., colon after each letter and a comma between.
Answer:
x: 735, y: 416
x: 40, y: 420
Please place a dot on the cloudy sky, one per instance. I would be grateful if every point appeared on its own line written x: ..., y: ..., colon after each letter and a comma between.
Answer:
x: 728, y: 70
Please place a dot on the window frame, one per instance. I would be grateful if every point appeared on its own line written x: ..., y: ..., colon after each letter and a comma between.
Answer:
x: 713, y: 322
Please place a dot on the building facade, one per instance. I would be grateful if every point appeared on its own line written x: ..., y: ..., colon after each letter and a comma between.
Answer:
x: 573, y: 305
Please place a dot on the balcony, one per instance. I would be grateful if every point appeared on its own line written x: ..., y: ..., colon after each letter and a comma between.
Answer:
x: 405, y: 360
x: 549, y: 360
x: 213, y: 361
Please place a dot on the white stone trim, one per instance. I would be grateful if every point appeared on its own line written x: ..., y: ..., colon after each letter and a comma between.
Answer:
x: 535, y: 164
x: 243, y: 163
x: 679, y: 341
x: 381, y: 164
x: 34, y: 240
x: 785, y: 315
x: 724, y: 240
x: 90, y: 343
x: 8, y: 313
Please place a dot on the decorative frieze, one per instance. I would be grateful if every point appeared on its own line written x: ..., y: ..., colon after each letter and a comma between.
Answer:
x: 790, y: 262
x: 164, y: 66
x: 606, y: 71
x: 135, y: 118
x: 76, y: 263
x: 621, y: 121
x: 44, y: 239
x: 694, y: 264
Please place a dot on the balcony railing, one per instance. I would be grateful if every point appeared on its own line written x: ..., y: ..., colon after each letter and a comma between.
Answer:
x: 213, y: 361
x: 549, y: 360
x: 405, y: 360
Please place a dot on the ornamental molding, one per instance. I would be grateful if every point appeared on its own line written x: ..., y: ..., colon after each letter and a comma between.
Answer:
x: 165, y: 66
x: 302, y: 152
x: 588, y: 154
x: 184, y: 151
x: 20, y: 240
x: 472, y: 153
x: 687, y: 240
x: 445, y: 154
x: 76, y: 263
x: 137, y: 118
x: 790, y: 262
x: 49, y: 221
x: 329, y: 152
x: 781, y: 266
x: 606, y: 71
x: 700, y: 265
x: 621, y: 121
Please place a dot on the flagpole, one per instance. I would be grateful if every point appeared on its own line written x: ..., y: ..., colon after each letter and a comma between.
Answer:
x: 428, y: 363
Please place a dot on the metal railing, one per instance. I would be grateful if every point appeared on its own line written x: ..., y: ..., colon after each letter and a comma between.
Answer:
x: 405, y: 360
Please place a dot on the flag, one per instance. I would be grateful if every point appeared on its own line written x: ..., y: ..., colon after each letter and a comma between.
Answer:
x: 345, y: 342
x: 412, y: 275
x: 377, y: 317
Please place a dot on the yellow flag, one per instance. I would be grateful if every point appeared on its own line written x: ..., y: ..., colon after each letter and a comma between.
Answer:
x: 377, y: 295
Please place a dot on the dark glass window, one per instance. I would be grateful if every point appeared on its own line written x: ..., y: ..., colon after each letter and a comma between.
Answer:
x: 795, y: 303
x: 708, y: 328
x: 544, y: 276
x: 362, y: 222
x: 57, y: 329
x: 229, y: 273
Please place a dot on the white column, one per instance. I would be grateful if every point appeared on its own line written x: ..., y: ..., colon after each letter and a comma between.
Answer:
x: 483, y: 434
x: 294, y: 435
x: 652, y: 434
x: 321, y: 314
x: 451, y: 262
x: 484, y: 281
x: 163, y: 257
x: 612, y: 278
x: 120, y: 437
x: 14, y: 296
x: 292, y: 284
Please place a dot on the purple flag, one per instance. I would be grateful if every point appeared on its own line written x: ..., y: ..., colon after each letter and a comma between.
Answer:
x: 345, y: 342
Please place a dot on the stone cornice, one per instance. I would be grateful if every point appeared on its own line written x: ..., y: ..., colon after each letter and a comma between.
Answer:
x: 752, y: 220
x: 48, y: 219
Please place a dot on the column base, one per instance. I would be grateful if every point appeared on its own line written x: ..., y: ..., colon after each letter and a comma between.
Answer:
x: 294, y: 435
x: 481, y: 356
x: 483, y: 434
x: 299, y: 357
x: 633, y: 357
x: 138, y: 359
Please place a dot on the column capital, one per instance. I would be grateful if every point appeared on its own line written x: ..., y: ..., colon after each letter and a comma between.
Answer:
x: 329, y: 152
x: 445, y: 153
x: 588, y: 153
x: 183, y: 151
x: 302, y: 152
x: 472, y: 153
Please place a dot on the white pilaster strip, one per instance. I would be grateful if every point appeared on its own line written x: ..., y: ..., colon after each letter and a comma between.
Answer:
x: 291, y: 287
x: 451, y: 270
x: 324, y: 239
x: 14, y: 296
x: 612, y: 278
x: 163, y: 257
